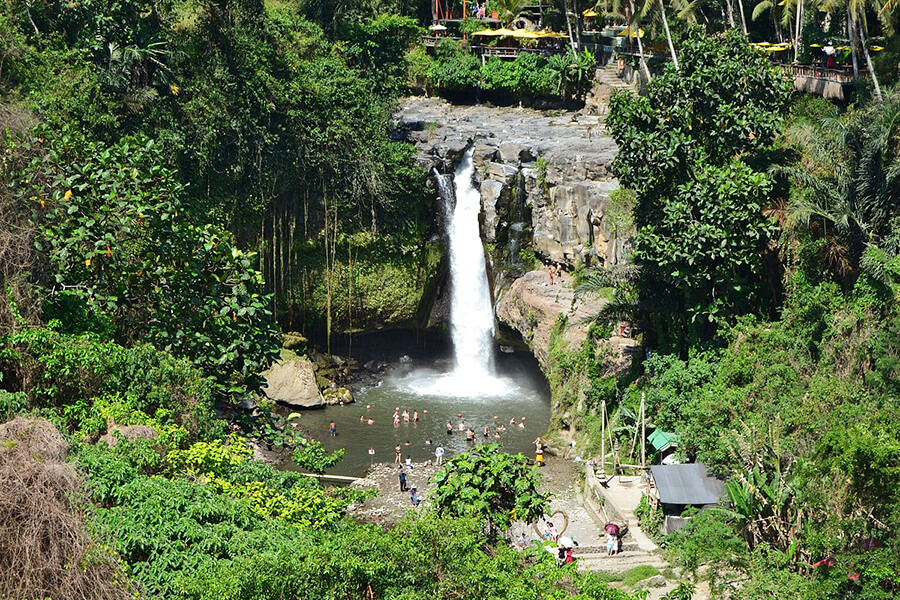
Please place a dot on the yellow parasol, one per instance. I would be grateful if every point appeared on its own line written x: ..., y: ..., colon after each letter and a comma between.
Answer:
x: 876, y: 48
x: 590, y: 13
x: 524, y: 33
x: 494, y: 32
x: 815, y: 45
x: 627, y: 31
x: 551, y: 34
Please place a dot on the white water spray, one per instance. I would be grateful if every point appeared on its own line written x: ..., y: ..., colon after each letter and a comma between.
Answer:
x: 471, y: 313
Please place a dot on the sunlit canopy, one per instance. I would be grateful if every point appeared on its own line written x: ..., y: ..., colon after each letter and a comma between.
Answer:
x: 438, y: 27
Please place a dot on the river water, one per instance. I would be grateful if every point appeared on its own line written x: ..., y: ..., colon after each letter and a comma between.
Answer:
x: 474, y: 388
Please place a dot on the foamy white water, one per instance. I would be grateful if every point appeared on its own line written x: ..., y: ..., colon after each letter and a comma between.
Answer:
x: 471, y: 313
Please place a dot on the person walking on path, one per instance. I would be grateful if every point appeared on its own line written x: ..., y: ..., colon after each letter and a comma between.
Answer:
x: 399, y: 451
x: 402, y: 477
x: 612, y: 544
x: 439, y: 454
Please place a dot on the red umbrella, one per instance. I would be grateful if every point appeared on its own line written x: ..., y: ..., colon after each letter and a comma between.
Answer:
x: 611, y: 529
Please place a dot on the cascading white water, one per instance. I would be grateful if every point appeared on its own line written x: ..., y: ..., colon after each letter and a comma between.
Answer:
x: 471, y: 313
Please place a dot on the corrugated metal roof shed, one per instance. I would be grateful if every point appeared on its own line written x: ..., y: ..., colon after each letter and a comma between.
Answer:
x: 686, y: 484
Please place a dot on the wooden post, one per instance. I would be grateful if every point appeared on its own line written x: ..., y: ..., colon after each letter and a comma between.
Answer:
x: 643, y: 435
x: 603, y: 437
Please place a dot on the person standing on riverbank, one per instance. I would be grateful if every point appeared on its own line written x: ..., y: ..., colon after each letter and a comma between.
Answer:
x: 402, y: 477
x: 399, y: 451
x: 439, y: 455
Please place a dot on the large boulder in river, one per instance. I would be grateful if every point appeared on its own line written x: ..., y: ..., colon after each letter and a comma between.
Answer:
x: 292, y: 381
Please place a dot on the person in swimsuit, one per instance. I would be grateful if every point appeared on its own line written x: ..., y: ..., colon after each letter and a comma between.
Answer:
x: 332, y: 429
x: 399, y: 451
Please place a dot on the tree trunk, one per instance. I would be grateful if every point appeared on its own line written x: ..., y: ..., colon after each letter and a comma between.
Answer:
x: 743, y: 18
x: 662, y: 9
x: 569, y: 27
x: 869, y: 66
x: 577, y: 23
x: 798, y: 29
x: 851, y: 33
x: 730, y: 10
x: 634, y: 28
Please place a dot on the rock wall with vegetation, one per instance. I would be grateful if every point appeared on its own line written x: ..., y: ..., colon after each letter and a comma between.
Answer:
x: 545, y: 180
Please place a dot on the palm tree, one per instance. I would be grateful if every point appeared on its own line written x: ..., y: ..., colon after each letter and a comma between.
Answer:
x: 658, y: 9
x: 850, y: 179
x: 508, y: 10
x: 633, y: 18
x: 856, y: 27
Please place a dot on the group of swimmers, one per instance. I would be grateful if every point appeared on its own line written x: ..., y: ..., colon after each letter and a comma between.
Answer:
x: 486, y: 432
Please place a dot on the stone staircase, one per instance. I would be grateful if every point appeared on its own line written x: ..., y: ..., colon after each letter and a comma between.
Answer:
x: 617, y: 506
x: 606, y: 82
x: 621, y: 562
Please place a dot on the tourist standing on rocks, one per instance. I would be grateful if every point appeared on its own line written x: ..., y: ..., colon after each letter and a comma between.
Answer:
x: 399, y: 451
x: 439, y: 454
x: 402, y: 477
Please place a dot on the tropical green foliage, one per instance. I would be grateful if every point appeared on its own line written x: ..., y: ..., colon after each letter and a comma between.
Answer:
x: 686, y: 150
x: 491, y: 486
x: 111, y: 223
x: 454, y: 70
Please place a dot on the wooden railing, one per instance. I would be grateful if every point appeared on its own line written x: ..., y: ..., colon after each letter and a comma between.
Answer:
x: 841, y: 76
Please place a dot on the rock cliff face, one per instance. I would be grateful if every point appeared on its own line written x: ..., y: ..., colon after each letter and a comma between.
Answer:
x: 545, y: 176
x: 532, y: 304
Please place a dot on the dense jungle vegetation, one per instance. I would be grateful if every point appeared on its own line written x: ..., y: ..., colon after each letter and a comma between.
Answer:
x: 178, y: 179
x: 764, y: 280
x: 182, y: 180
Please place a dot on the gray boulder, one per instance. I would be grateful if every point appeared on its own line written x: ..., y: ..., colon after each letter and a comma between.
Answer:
x: 292, y: 381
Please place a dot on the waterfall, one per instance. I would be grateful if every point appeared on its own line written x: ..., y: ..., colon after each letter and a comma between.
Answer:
x: 471, y: 313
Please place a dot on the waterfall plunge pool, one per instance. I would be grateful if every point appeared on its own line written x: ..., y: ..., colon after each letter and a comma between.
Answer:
x: 503, y: 396
x: 410, y: 385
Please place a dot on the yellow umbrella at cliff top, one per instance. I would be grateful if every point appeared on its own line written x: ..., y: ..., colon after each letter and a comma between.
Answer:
x: 524, y: 33
x: 590, y: 13
x: 494, y: 32
x: 627, y: 31
x: 551, y: 34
